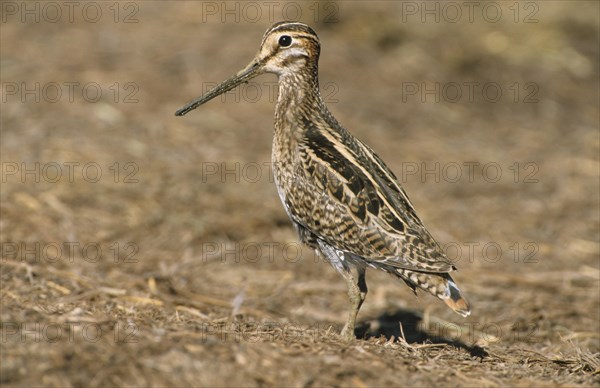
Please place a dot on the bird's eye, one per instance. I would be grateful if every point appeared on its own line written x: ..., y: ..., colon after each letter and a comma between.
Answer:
x: 285, y: 40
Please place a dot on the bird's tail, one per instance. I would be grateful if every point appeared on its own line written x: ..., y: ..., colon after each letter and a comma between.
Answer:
x: 440, y: 285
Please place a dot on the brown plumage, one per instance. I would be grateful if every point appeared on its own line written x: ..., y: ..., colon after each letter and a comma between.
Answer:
x: 341, y: 197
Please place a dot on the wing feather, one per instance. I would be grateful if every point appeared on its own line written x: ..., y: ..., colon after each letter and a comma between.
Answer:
x: 345, y: 189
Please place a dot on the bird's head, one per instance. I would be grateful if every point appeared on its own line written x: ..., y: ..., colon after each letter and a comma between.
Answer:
x: 287, y: 48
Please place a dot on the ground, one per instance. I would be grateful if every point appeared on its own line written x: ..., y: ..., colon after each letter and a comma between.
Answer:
x: 140, y: 248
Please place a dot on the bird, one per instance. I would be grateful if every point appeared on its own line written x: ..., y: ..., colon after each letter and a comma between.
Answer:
x: 342, y: 199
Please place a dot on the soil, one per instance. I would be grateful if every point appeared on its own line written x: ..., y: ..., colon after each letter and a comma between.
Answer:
x: 144, y: 249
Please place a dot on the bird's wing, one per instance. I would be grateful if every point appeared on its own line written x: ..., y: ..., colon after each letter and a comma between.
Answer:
x: 347, y: 196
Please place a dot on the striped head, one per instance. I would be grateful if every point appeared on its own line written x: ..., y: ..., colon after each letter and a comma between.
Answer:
x: 287, y: 48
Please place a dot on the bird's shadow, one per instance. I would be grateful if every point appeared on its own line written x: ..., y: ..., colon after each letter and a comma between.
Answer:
x: 388, y: 325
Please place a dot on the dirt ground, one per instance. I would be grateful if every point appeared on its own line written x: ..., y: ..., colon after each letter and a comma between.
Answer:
x: 144, y: 249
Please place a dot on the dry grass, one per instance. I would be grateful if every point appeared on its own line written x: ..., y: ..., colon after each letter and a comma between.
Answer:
x: 201, y: 281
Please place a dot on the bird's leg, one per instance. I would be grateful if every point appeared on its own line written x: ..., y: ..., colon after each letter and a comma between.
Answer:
x: 357, y: 285
x: 357, y: 291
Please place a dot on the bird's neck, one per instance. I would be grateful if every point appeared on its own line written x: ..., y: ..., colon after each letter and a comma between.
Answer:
x: 299, y: 98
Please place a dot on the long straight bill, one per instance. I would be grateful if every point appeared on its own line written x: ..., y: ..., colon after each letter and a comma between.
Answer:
x: 225, y: 86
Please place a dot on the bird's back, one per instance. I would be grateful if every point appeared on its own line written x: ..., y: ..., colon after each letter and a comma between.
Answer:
x: 338, y: 189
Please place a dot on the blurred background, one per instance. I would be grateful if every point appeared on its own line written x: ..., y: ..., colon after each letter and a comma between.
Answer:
x: 136, y: 244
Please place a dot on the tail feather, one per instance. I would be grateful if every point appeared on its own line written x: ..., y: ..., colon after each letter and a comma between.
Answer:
x: 440, y: 285
x: 456, y: 301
